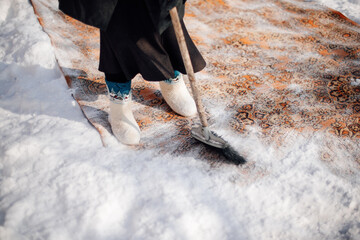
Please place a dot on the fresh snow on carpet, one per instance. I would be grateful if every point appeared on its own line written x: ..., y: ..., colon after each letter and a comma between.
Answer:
x: 350, y: 8
x: 58, y: 182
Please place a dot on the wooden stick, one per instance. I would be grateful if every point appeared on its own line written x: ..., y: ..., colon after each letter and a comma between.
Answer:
x: 188, y: 65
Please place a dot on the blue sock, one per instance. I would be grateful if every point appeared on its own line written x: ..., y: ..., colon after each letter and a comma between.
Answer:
x: 177, y: 73
x: 119, y: 91
x: 173, y: 80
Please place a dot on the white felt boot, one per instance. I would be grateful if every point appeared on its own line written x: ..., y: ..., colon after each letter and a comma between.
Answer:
x: 178, y: 97
x: 123, y: 123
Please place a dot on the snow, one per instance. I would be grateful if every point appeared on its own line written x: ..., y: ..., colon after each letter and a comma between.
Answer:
x: 58, y: 182
x: 350, y: 8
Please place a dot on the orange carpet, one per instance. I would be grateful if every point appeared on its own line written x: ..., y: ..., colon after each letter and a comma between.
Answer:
x: 274, y: 68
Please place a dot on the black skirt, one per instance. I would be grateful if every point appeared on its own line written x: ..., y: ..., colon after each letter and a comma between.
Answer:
x: 131, y: 45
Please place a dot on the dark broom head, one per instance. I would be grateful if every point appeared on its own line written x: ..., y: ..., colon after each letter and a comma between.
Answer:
x: 232, y: 155
x: 217, y: 142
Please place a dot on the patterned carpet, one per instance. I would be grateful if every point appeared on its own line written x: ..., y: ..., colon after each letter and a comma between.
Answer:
x: 274, y: 68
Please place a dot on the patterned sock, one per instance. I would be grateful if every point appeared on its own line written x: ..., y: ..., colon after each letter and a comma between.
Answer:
x: 119, y: 91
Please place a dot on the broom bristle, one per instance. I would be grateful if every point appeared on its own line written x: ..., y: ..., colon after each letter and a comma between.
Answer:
x: 217, y: 142
x: 232, y: 155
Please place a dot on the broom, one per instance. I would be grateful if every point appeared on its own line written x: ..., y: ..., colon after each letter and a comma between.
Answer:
x: 201, y: 133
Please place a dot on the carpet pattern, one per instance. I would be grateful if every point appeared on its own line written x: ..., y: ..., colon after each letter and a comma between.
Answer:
x: 273, y: 67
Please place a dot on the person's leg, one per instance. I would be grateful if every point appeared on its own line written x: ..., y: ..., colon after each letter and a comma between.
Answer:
x: 177, y: 96
x: 174, y: 90
x: 123, y: 123
x: 118, y: 86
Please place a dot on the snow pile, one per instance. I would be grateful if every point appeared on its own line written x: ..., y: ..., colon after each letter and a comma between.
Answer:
x: 58, y: 182
x: 350, y: 8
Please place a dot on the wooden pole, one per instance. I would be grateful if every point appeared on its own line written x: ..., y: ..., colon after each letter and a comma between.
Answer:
x: 188, y: 65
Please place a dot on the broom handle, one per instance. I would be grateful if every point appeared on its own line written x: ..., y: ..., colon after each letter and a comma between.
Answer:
x: 188, y: 65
